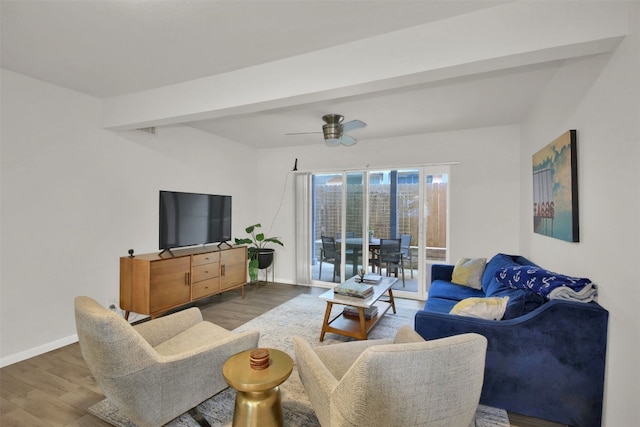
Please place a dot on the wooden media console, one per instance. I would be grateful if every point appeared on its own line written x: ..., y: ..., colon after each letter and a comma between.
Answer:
x: 155, y: 283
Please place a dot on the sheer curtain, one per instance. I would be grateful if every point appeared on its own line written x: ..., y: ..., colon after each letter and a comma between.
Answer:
x: 302, y: 195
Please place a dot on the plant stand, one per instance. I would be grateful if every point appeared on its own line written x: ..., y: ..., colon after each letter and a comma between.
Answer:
x: 266, y: 274
x: 263, y: 261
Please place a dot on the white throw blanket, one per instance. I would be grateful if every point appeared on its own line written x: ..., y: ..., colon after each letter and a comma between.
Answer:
x: 586, y: 294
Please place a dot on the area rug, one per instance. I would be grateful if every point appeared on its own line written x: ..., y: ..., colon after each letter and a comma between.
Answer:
x: 302, y: 316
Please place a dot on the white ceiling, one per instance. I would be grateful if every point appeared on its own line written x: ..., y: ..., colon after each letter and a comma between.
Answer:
x: 112, y: 48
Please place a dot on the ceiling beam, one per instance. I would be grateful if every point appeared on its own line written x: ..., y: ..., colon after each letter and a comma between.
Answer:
x: 512, y: 35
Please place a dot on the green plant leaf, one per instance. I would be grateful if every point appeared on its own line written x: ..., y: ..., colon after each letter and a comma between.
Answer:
x: 274, y: 240
x: 258, y: 240
x: 250, y: 228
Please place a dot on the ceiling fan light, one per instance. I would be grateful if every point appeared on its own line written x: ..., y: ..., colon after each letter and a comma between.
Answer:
x: 347, y: 140
x: 332, y: 142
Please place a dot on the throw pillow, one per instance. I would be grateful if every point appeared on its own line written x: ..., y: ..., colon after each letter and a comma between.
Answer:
x: 484, y: 308
x: 468, y: 272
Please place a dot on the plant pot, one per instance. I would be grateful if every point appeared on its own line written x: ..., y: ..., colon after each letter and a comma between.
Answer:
x: 265, y: 258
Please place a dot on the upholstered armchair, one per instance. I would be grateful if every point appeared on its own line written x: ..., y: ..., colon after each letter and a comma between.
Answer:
x: 160, y: 369
x: 404, y: 382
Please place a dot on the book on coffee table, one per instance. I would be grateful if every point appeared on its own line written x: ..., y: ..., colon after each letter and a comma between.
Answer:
x: 352, y: 289
x: 370, y: 278
x: 369, y: 312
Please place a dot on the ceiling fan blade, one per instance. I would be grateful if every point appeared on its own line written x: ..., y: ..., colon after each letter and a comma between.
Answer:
x: 301, y: 133
x: 353, y: 124
x: 348, y: 140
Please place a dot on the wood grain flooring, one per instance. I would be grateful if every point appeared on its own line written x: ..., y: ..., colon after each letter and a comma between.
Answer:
x: 56, y: 388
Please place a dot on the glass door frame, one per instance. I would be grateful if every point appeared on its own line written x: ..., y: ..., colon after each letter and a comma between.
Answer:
x: 423, y: 172
x: 343, y: 218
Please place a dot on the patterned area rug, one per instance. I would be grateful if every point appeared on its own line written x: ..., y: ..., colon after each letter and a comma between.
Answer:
x: 301, y: 316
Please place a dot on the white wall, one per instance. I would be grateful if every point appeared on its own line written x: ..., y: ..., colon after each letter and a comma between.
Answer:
x: 600, y: 98
x: 75, y: 198
x: 484, y: 186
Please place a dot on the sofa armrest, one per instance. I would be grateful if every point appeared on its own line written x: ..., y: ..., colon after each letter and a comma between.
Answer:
x: 549, y: 363
x: 442, y: 272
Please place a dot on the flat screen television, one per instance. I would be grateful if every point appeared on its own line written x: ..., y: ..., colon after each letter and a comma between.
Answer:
x: 189, y: 219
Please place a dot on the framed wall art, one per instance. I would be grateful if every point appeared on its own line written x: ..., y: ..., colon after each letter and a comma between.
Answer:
x: 555, y: 189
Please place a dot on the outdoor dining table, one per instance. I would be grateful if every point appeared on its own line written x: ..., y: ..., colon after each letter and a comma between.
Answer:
x: 355, y: 243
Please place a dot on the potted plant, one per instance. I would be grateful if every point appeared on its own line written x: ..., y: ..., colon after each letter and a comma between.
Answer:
x: 260, y: 256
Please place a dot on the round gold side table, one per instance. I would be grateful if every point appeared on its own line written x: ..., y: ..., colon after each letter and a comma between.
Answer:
x: 258, y: 393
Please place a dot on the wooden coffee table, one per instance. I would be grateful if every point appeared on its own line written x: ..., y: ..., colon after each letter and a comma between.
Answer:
x: 357, y: 327
x: 258, y: 392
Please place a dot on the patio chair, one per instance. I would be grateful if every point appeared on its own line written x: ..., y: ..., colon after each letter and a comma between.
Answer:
x: 330, y: 253
x: 391, y: 257
x: 405, y: 248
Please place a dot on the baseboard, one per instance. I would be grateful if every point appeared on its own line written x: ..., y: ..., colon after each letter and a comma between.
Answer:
x: 36, y: 351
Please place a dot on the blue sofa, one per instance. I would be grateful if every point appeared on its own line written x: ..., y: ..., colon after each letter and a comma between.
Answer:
x: 545, y: 359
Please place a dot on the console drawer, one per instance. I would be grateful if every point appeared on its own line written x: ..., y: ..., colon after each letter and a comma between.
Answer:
x: 204, y: 288
x: 205, y: 272
x: 208, y: 258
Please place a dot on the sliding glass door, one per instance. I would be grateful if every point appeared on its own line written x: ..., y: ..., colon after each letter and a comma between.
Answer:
x: 354, y: 211
x: 338, y: 210
x: 436, y: 212
x: 326, y: 226
x: 394, y: 213
x: 351, y: 241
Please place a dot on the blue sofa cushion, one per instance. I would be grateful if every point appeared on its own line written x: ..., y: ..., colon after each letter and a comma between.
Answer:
x: 521, y: 301
x: 447, y: 290
x: 439, y: 305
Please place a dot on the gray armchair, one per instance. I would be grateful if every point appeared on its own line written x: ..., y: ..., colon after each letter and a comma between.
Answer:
x: 404, y: 382
x: 160, y: 369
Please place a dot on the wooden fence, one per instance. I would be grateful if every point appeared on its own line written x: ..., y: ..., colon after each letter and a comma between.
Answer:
x: 329, y: 203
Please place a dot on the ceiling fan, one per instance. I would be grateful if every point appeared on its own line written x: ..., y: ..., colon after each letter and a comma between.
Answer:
x: 335, y: 132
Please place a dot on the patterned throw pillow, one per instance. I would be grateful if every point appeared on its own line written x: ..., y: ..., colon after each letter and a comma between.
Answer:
x: 468, y: 272
x: 484, y: 308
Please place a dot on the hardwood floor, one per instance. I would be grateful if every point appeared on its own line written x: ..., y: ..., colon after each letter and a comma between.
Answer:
x: 56, y: 388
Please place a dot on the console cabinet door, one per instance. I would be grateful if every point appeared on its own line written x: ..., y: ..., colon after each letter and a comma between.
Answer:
x: 233, y: 267
x: 169, y: 283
